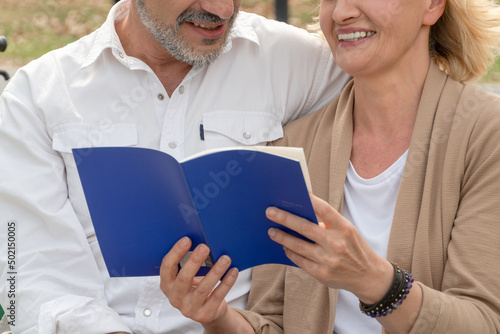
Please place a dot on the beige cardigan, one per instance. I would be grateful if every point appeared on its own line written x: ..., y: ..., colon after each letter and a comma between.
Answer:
x: 446, y: 226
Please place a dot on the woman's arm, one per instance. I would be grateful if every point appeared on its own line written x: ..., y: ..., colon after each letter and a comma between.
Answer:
x: 341, y: 259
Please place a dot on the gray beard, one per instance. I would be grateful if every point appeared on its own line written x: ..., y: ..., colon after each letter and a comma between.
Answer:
x: 175, y: 44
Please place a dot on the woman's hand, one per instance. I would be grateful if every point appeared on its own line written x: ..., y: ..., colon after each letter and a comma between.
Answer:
x: 340, y: 258
x: 198, y: 298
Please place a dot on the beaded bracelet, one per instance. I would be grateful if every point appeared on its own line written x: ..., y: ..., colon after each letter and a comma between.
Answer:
x: 400, y: 288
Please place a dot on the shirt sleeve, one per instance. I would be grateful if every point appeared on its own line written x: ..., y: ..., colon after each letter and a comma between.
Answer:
x: 50, y: 279
x: 314, y: 79
x: 328, y: 80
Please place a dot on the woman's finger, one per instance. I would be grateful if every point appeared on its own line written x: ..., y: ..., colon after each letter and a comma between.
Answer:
x: 303, y: 248
x: 328, y: 216
x: 298, y: 224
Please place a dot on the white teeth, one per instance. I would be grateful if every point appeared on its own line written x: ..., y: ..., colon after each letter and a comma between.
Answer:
x: 203, y: 27
x: 354, y: 36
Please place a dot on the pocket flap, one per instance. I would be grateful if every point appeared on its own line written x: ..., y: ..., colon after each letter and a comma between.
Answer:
x: 247, y: 128
x: 69, y: 136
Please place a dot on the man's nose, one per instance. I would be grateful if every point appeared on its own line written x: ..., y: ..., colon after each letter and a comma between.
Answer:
x: 222, y: 8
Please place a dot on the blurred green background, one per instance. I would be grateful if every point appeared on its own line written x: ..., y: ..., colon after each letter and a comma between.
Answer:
x: 34, y: 27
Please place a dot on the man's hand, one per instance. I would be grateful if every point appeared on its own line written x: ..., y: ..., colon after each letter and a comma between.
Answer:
x: 198, y: 298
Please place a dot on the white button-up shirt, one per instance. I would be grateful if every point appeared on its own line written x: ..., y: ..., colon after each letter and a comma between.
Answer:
x: 91, y: 93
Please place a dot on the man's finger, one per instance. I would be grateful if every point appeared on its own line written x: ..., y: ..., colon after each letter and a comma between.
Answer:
x: 169, y: 265
x: 193, y: 264
x: 206, y: 286
x: 221, y: 291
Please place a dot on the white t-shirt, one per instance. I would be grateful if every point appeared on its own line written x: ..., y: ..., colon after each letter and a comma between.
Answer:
x: 369, y: 204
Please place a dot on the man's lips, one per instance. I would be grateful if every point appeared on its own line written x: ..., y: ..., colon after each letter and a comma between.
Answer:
x: 206, y: 26
x: 209, y: 30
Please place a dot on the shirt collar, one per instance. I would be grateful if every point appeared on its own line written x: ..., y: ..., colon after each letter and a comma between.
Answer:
x: 107, y: 38
x: 242, y: 29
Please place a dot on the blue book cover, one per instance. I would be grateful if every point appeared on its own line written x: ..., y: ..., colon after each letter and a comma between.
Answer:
x: 142, y: 201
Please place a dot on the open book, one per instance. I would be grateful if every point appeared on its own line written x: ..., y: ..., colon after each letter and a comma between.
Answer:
x: 142, y: 201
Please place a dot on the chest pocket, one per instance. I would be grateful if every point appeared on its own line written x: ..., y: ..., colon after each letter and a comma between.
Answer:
x: 68, y: 136
x: 238, y: 128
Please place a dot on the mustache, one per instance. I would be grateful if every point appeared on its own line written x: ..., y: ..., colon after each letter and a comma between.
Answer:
x: 192, y: 15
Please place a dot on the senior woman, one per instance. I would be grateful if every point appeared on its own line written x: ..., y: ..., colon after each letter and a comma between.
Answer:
x: 407, y: 165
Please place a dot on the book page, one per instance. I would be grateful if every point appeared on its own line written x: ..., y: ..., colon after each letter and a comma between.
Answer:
x: 294, y: 153
x: 140, y: 207
x: 232, y: 190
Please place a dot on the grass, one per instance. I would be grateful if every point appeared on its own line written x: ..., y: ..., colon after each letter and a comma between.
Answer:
x: 493, y: 74
x: 34, y: 27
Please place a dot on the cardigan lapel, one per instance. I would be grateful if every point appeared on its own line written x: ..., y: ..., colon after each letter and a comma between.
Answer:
x: 340, y: 153
x: 341, y: 146
x: 407, y: 210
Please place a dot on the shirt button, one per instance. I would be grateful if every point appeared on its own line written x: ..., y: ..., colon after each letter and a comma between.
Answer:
x: 161, y: 97
x: 121, y: 55
x: 247, y: 135
x: 147, y: 312
x: 181, y: 89
x: 172, y: 144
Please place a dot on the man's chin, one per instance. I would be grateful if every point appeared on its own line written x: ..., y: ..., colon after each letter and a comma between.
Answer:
x: 197, y: 57
x: 215, y: 42
x: 200, y: 53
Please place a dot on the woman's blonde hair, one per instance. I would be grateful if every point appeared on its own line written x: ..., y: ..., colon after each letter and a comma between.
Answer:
x: 465, y: 40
